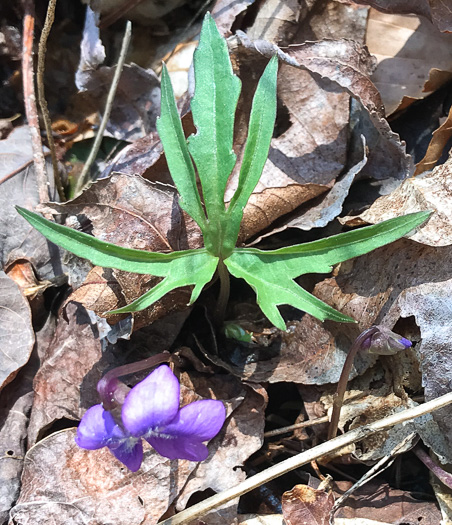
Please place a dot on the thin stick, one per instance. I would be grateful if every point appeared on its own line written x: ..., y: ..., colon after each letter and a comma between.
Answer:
x: 108, y: 107
x: 202, y: 508
x: 290, y: 428
x: 343, y: 380
x: 31, y: 110
x: 50, y: 16
x: 384, y: 463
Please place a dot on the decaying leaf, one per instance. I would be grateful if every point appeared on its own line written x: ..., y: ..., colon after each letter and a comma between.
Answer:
x: 407, y: 48
x: 136, y: 102
x: 17, y: 335
x: 16, y: 401
x: 328, y: 206
x: 304, y: 505
x: 437, y: 11
x: 18, y: 187
x: 224, y: 13
x: 435, y: 149
x: 241, y: 437
x: 348, y: 65
x: 379, y: 502
x: 429, y: 303
x: 105, y: 491
x: 65, y: 385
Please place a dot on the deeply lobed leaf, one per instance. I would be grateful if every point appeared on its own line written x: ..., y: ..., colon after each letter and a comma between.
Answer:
x: 190, y: 267
x: 271, y: 273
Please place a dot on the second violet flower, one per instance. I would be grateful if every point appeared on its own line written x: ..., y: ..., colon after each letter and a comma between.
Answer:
x: 151, y: 411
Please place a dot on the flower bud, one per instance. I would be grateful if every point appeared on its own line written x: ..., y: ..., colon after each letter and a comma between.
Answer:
x: 385, y: 342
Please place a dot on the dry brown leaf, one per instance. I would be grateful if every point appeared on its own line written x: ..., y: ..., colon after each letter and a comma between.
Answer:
x: 326, y: 208
x: 17, y: 335
x: 365, y: 403
x: 225, y: 13
x: 438, y: 11
x: 15, y: 404
x: 436, y: 147
x: 240, y: 438
x: 382, y: 503
x: 277, y: 21
x: 304, y: 505
x: 100, y: 292
x: 404, y: 279
x: 104, y: 490
x: 265, y: 207
x: 429, y: 191
x: 65, y: 385
x: 348, y: 65
x: 430, y: 304
x: 407, y: 49
x: 18, y: 240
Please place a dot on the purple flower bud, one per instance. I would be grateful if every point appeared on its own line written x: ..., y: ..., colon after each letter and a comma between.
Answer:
x: 385, y: 342
x: 151, y: 411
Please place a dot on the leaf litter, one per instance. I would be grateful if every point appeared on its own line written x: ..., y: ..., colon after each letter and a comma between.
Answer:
x: 333, y: 148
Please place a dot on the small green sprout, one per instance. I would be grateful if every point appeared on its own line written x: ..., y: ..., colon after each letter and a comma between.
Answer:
x: 270, y: 273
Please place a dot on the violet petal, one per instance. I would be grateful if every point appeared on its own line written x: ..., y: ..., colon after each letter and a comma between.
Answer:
x: 202, y: 420
x: 129, y: 452
x: 152, y: 403
x: 179, y: 448
x: 96, y: 428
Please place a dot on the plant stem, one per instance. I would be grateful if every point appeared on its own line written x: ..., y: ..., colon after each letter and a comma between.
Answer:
x: 441, y: 474
x: 41, y: 95
x: 223, y: 298
x: 110, y: 388
x: 343, y: 380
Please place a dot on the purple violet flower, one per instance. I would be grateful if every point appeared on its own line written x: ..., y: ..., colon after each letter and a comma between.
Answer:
x: 151, y: 411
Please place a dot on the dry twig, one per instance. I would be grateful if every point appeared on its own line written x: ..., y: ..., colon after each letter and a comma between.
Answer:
x: 108, y: 107
x: 41, y: 94
x: 31, y: 109
x: 202, y: 508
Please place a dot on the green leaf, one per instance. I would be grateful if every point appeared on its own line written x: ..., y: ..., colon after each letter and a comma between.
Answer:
x: 190, y: 267
x: 274, y: 286
x: 319, y: 256
x: 213, y: 107
x: 271, y: 273
x: 195, y: 267
x: 178, y: 158
x: 260, y: 131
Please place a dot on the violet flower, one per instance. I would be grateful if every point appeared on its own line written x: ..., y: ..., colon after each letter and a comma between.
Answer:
x: 151, y: 411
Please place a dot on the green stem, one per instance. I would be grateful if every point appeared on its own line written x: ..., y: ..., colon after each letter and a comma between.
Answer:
x: 343, y: 380
x: 223, y: 297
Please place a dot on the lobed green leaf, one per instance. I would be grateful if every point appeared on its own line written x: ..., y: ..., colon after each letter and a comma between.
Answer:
x: 184, y: 268
x: 191, y: 268
x: 170, y: 130
x: 271, y: 273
